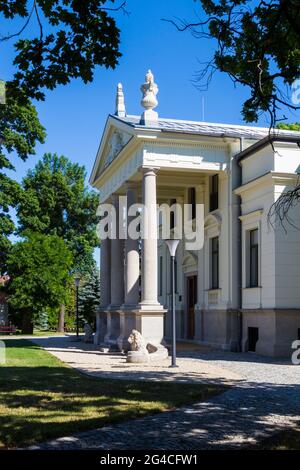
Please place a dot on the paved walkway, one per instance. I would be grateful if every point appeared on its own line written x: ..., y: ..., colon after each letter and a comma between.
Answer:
x: 265, y: 399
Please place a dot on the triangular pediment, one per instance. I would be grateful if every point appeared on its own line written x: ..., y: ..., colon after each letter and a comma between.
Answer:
x: 113, y: 141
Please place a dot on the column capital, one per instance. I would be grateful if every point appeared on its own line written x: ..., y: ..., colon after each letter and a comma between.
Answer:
x: 149, y: 170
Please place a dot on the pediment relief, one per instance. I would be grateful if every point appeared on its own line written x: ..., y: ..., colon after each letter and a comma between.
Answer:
x: 115, y: 144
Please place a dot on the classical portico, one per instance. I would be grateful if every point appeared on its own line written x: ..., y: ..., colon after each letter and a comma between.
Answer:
x: 148, y: 164
x: 152, y: 161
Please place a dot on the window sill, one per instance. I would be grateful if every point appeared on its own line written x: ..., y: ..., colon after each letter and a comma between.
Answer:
x: 252, y: 288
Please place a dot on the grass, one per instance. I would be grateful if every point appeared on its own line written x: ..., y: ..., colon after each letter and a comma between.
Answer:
x: 285, y: 440
x: 42, y: 398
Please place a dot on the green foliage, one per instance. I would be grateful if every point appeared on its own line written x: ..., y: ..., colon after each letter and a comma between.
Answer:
x: 295, y: 126
x: 89, y: 297
x: 258, y: 46
x: 56, y: 202
x: 20, y: 129
x: 39, y: 266
x: 80, y: 36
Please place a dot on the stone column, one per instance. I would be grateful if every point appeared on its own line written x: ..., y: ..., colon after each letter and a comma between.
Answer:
x: 149, y: 244
x: 117, y: 264
x: 101, y: 316
x: 116, y: 284
x: 199, y: 315
x: 132, y: 270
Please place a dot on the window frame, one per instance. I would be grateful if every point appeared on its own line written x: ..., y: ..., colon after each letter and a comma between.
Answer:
x: 214, y: 276
x: 214, y: 192
x: 253, y: 247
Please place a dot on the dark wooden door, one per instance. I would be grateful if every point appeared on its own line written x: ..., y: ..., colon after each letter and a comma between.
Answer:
x: 192, y: 300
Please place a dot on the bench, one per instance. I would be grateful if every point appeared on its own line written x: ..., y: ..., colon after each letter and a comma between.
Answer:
x: 7, y: 330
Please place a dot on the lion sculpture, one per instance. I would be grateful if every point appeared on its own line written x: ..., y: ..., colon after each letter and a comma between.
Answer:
x: 137, y: 342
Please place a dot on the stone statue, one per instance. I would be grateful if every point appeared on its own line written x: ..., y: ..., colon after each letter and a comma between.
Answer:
x: 137, y: 342
x: 139, y: 352
x: 88, y: 333
x: 143, y: 351
x: 149, y: 90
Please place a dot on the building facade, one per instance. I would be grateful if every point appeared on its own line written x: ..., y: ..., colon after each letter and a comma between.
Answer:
x: 241, y: 291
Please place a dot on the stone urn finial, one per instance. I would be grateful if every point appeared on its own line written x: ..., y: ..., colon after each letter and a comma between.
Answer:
x: 120, y: 102
x: 149, y: 90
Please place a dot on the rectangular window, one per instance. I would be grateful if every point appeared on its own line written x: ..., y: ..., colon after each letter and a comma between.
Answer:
x: 214, y: 193
x: 253, y: 258
x: 192, y: 200
x: 172, y: 214
x: 160, y: 276
x: 215, y: 263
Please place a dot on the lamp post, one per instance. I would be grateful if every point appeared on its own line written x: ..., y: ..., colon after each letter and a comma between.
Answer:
x: 172, y: 245
x: 76, y: 282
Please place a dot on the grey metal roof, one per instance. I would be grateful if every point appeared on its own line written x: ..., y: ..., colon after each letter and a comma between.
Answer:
x: 205, y: 128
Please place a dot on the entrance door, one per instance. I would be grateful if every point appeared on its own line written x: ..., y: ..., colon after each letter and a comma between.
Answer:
x: 191, y: 301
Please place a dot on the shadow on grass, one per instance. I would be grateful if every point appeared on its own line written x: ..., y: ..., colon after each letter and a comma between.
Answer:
x: 41, y: 398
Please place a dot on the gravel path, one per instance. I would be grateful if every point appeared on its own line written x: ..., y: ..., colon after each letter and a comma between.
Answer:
x: 265, y: 399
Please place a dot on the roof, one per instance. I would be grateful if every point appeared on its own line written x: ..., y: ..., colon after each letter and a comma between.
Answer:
x: 268, y: 140
x: 204, y: 128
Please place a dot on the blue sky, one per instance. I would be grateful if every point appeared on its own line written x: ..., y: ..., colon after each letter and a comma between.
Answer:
x: 74, y: 115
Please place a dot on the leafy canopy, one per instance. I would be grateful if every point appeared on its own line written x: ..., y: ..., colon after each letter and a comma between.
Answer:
x: 56, y: 202
x: 73, y: 37
x: 20, y: 129
x: 39, y: 267
x: 294, y: 126
x: 257, y: 45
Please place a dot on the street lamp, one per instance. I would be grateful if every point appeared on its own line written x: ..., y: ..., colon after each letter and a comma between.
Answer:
x: 172, y: 245
x: 77, y: 282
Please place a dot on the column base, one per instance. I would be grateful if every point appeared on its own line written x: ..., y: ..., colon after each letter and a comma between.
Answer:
x: 101, y: 326
x: 148, y: 321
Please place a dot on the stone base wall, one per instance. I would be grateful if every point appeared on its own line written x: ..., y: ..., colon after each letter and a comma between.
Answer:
x: 218, y: 328
x: 277, y: 329
x: 115, y: 326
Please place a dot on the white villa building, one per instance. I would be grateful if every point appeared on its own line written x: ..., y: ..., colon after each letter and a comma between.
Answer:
x: 241, y: 291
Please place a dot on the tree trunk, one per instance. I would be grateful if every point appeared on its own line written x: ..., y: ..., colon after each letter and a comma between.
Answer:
x: 61, y: 319
x: 27, y: 324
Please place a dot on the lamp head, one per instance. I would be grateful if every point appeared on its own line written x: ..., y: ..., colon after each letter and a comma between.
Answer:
x: 172, y: 244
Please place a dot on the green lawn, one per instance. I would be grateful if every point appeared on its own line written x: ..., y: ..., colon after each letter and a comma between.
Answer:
x: 42, y: 398
x: 286, y: 440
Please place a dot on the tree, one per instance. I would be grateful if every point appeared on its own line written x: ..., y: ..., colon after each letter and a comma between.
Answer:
x: 19, y: 131
x: 73, y: 37
x: 257, y: 45
x: 289, y: 127
x: 39, y: 267
x: 56, y: 202
x: 89, y: 297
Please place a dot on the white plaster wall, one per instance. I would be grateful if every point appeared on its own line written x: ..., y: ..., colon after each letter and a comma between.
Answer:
x: 287, y: 158
x: 258, y: 164
x: 255, y: 207
x: 186, y: 156
x: 287, y: 266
